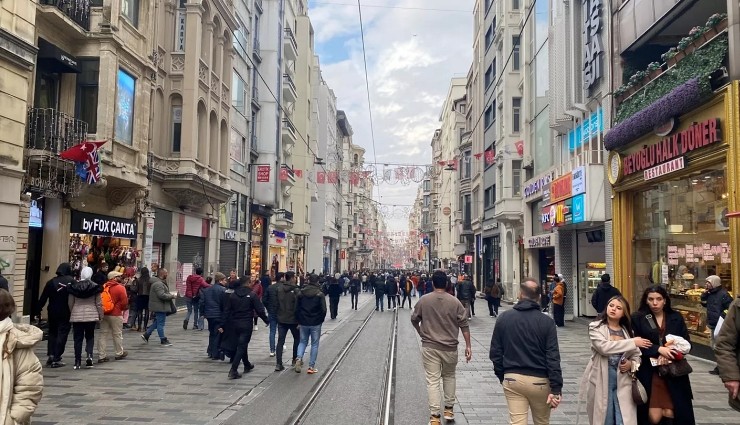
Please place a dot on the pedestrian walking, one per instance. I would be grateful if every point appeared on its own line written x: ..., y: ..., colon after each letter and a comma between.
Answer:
x: 615, y: 355
x: 239, y: 310
x: 193, y: 285
x: 429, y: 286
x: 716, y: 300
x: 131, y: 284
x: 270, y: 300
x: 407, y: 291
x: 22, y: 380
x: 526, y: 358
x: 493, y: 296
x: 354, y: 290
x: 379, y: 289
x: 335, y: 292
x: 310, y: 313
x: 86, y: 311
x: 160, y: 301
x: 727, y: 350
x: 438, y: 319
x: 55, y: 292
x: 256, y: 287
x: 145, y: 286
x: 558, y: 301
x: 391, y: 290
x: 212, y: 301
x: 465, y: 293
x: 286, y: 292
x: 115, y: 302
x: 668, y: 397
x: 421, y: 287
x: 603, y: 293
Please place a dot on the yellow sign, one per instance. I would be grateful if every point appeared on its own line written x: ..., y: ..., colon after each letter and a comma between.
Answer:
x: 595, y: 265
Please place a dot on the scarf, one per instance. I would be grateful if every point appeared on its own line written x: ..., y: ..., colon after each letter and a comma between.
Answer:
x: 6, y: 378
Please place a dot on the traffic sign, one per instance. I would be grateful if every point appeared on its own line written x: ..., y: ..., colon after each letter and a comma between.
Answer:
x: 425, y: 241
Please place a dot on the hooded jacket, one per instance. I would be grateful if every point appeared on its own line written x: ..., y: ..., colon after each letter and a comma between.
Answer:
x: 525, y: 341
x: 391, y: 286
x: 27, y: 382
x: 310, y: 306
x: 193, y: 284
x: 603, y: 293
x: 56, y: 293
x: 240, y: 308
x: 286, y: 293
x: 85, y: 302
x: 716, y: 300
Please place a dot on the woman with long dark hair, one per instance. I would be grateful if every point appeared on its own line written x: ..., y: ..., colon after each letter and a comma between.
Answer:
x: 669, y: 398
x: 141, y: 322
x: 615, y: 352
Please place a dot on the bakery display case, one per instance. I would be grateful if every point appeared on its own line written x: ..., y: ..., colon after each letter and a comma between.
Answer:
x: 695, y: 316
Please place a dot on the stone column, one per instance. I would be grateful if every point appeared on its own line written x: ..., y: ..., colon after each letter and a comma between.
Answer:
x: 733, y: 30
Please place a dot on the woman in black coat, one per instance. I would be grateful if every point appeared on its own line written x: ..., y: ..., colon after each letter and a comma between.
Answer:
x: 669, y: 399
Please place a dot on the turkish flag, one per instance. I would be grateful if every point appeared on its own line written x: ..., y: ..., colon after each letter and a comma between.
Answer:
x: 298, y: 173
x: 333, y: 177
x: 478, y: 155
x: 321, y: 177
x: 520, y: 147
x: 490, y: 156
x: 79, y: 153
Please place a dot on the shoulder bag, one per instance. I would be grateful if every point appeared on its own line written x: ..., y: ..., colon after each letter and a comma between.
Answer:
x: 173, y: 308
x: 639, y: 395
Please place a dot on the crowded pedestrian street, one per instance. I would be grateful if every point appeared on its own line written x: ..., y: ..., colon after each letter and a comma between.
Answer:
x: 180, y: 385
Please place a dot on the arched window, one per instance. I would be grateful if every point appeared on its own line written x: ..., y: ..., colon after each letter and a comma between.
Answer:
x: 175, y: 131
x: 205, y: 37
x: 202, y: 134
x: 213, y: 143
x: 224, y: 157
x: 216, y: 48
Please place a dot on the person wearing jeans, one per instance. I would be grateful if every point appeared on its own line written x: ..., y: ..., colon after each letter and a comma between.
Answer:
x: 270, y: 300
x: 193, y: 285
x: 86, y: 309
x: 286, y: 295
x: 211, y: 301
x: 310, y: 313
x: 379, y: 293
x: 159, y: 304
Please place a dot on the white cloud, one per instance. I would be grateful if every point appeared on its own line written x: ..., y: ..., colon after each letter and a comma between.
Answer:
x: 411, y: 55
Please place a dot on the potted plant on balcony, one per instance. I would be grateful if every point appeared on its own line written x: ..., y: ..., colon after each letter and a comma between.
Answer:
x: 622, y: 92
x: 715, y: 25
x: 637, y: 80
x: 673, y: 56
x: 654, y: 70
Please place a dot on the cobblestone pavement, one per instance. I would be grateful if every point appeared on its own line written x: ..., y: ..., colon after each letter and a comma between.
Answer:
x: 179, y: 385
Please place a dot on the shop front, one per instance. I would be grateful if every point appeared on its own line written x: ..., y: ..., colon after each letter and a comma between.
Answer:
x: 278, y: 252
x: 491, y: 261
x: 258, y: 237
x: 95, y: 239
x: 540, y: 259
x: 673, y: 194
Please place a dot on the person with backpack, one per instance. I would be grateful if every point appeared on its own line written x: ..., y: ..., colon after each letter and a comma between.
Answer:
x: 115, y: 301
x: 56, y: 293
x: 160, y: 301
x: 86, y: 307
x: 193, y: 286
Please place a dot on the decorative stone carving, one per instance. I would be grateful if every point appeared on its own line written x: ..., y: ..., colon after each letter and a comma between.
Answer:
x: 203, y: 72
x: 178, y: 62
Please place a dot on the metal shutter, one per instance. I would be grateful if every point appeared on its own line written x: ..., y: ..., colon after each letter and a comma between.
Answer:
x: 191, y: 249
x: 227, y: 256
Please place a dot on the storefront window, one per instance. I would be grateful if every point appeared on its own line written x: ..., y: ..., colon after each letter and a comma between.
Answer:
x: 255, y: 257
x: 681, y: 237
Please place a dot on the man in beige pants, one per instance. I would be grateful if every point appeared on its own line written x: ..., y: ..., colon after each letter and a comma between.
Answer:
x: 438, y: 318
x: 112, y: 323
x: 526, y: 358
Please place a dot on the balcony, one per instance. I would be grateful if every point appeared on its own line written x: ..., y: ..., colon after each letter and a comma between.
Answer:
x: 284, y: 219
x: 52, y: 131
x: 289, y: 133
x: 509, y: 209
x: 190, y: 183
x: 256, y: 52
x: 290, y: 49
x: 60, y: 11
x: 289, y: 91
x: 258, y: 5
x: 287, y: 176
x: 467, y: 228
x: 255, y: 96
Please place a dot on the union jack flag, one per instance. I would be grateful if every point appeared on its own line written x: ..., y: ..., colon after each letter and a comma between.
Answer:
x: 90, y: 169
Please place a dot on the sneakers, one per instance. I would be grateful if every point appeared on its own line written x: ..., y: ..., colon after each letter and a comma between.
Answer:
x: 312, y: 370
x: 279, y: 368
x: 166, y: 343
x: 145, y: 337
x: 89, y: 361
x: 122, y: 356
x: 57, y: 364
x: 77, y: 366
x: 714, y: 371
x: 103, y: 360
x: 435, y: 420
x: 255, y: 328
x: 449, y: 414
x: 298, y: 366
x: 272, y: 354
x: 233, y: 374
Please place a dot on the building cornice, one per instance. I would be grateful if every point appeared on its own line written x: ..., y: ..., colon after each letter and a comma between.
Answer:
x: 17, y: 50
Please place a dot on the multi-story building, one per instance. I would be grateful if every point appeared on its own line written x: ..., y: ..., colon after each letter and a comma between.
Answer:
x: 96, y: 76
x: 17, y: 59
x: 673, y: 147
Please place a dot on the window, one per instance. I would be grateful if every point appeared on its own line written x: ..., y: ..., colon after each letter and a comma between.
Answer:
x: 489, y: 3
x: 515, y: 56
x: 516, y: 178
x: 349, y: 231
x: 426, y: 200
x: 130, y: 9
x: 467, y: 211
x: 427, y: 185
x: 467, y: 165
x: 87, y: 93
x: 489, y: 37
x: 125, y: 95
x: 241, y: 36
x: 500, y: 182
x: 242, y: 213
x: 489, y: 116
x: 176, y: 127
x: 239, y: 94
x: 515, y: 5
x: 489, y: 196
x: 516, y: 114
x: 488, y: 77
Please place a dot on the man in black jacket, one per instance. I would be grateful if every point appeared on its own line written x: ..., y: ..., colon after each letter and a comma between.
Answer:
x: 286, y: 295
x: 603, y: 293
x: 391, y: 290
x: 270, y: 300
x: 335, y: 291
x: 717, y: 301
x: 310, y: 313
x: 526, y: 357
x: 379, y: 289
x: 465, y: 293
x: 58, y: 313
x: 239, y: 309
x: 355, y: 285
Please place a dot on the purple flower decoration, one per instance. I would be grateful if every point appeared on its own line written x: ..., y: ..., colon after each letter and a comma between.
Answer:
x: 680, y: 100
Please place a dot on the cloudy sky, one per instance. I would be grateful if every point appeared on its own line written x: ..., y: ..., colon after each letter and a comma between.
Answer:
x: 414, y: 48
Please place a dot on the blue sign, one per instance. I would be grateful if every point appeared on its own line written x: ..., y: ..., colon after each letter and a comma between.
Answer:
x: 425, y: 241
x: 589, y: 128
x: 578, y: 210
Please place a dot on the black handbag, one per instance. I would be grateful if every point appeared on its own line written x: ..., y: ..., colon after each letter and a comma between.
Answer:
x: 675, y: 369
x: 173, y: 308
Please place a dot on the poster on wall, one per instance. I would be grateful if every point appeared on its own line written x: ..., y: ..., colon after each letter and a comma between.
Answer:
x: 124, y: 129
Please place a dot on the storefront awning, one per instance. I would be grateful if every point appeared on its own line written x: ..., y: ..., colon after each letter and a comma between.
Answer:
x: 53, y: 59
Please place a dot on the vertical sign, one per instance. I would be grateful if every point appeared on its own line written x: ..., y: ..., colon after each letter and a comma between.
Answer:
x: 148, y: 241
x: 593, y: 46
x: 180, y: 31
x: 263, y: 173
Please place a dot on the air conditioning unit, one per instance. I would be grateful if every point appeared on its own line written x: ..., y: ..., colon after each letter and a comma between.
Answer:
x: 527, y: 161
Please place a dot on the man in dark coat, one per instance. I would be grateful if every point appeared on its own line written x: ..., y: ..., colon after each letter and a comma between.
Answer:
x: 239, y: 309
x: 270, y: 300
x: 391, y: 290
x: 212, y: 301
x: 335, y: 291
x: 310, y: 313
x: 355, y: 285
x: 603, y: 293
x: 379, y: 289
x: 58, y: 313
x: 717, y: 301
x: 101, y: 276
x: 286, y: 292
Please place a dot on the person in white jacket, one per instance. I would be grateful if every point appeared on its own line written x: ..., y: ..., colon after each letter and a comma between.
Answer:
x: 21, y: 382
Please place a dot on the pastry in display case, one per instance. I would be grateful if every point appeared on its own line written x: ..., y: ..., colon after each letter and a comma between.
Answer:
x: 695, y: 316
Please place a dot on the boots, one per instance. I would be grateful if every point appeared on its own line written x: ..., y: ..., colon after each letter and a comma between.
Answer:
x: 185, y: 324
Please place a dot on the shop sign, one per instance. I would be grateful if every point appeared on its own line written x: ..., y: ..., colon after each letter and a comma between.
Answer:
x: 555, y: 215
x: 229, y: 235
x: 593, y: 46
x: 579, y: 181
x: 561, y: 188
x: 542, y: 241
x: 579, y: 208
x: 278, y: 234
x: 697, y: 136
x: 102, y: 225
x: 492, y: 226
x: 537, y: 186
x: 589, y: 128
x: 663, y: 169
x: 263, y: 174
x: 468, y: 259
